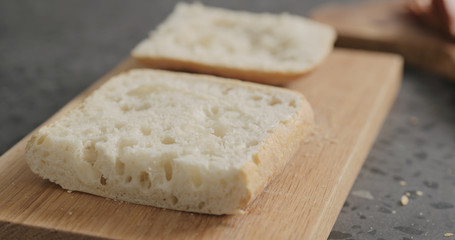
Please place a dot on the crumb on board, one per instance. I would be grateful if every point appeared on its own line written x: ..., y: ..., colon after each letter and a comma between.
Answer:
x: 408, y: 194
x: 448, y: 234
x: 404, y: 200
x: 316, y: 130
x: 394, y: 212
x: 70, y: 213
x: 402, y: 183
x: 419, y: 193
x: 413, y: 120
x: 321, y: 136
x: 69, y: 191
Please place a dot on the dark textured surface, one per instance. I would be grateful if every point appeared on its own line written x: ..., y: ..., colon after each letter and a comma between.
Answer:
x: 417, y: 146
x: 51, y: 50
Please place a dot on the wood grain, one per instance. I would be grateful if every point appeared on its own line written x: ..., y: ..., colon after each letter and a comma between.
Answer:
x: 385, y: 26
x: 351, y: 92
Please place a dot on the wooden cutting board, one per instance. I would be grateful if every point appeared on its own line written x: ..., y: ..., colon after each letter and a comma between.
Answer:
x: 385, y: 26
x: 351, y: 92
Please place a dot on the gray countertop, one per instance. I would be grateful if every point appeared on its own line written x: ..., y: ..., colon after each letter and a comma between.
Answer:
x: 51, y: 50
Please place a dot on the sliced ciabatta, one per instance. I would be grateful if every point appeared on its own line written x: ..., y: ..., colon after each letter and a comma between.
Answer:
x: 265, y: 48
x: 174, y: 140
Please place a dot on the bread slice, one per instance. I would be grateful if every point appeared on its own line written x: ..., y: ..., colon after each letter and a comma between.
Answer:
x: 264, y: 48
x: 173, y: 140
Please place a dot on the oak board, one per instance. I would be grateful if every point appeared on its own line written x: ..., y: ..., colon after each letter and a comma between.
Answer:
x: 385, y: 25
x: 351, y: 93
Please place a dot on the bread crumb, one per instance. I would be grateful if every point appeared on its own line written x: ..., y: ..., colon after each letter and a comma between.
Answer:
x: 394, y: 212
x: 240, y: 212
x: 419, y: 193
x: 402, y: 183
x: 420, y: 213
x: 448, y: 235
x: 69, y: 191
x: 363, y: 194
x: 70, y: 213
x: 413, y: 121
x: 408, y: 194
x: 404, y: 200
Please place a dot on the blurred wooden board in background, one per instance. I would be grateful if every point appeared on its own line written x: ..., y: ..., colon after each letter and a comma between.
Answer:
x: 385, y: 26
x: 351, y: 93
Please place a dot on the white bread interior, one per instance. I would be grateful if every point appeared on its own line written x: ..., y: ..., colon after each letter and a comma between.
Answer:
x: 173, y: 140
x: 265, y: 48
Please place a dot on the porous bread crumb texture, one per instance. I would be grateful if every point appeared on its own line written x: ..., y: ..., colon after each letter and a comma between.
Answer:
x: 278, y: 43
x: 172, y: 140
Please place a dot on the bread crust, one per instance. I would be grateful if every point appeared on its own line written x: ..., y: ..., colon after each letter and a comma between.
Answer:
x: 277, y: 151
x: 252, y: 75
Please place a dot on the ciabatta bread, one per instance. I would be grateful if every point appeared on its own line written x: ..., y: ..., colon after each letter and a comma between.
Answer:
x: 173, y: 140
x: 264, y: 48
